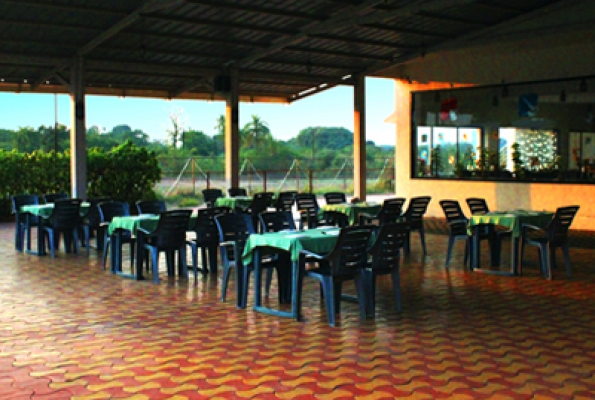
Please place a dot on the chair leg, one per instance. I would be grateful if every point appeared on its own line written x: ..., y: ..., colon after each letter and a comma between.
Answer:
x: 183, y: 262
x: 451, y: 243
x: 155, y: 262
x: 52, y: 238
x: 87, y: 233
x: 225, y: 281
x: 268, y: 282
x: 132, y: 251
x: 467, y: 251
x: 329, y: 298
x: 370, y: 286
x: 240, y: 284
x: 361, y: 295
x: 106, y: 244
x: 396, y: 278
x: 194, y: 256
x: 544, y: 261
x: 422, y: 236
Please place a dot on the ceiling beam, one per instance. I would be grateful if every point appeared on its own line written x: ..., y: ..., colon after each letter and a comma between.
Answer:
x: 62, y: 80
x: 69, y: 7
x: 338, y: 53
x: 397, y: 29
x: 467, y: 39
x: 365, y: 42
x: 499, y: 7
x: 32, y: 61
x: 449, y: 18
x: 260, y: 10
x: 44, y: 76
x: 148, y: 6
x: 190, y: 86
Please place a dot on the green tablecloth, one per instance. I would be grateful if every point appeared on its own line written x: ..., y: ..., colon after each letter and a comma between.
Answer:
x: 45, y: 210
x: 242, y: 202
x: 352, y: 210
x: 513, y: 220
x: 132, y: 223
x: 319, y: 241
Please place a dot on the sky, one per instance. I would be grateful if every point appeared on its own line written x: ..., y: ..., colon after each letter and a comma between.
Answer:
x: 331, y: 108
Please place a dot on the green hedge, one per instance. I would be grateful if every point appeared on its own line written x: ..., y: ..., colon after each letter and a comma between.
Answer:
x: 126, y: 173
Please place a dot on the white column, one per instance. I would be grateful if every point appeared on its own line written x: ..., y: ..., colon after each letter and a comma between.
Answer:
x: 78, y: 132
x: 232, y: 134
x: 359, y: 137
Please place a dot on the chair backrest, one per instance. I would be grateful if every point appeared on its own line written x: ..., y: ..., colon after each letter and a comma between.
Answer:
x: 150, y: 206
x: 386, y: 249
x: 416, y: 210
x: 20, y: 200
x: 557, y: 229
x: 391, y: 210
x: 335, y: 198
x: 236, y: 191
x: 110, y: 209
x: 66, y: 214
x: 308, y: 207
x: 205, y: 227
x: 335, y: 218
x: 351, y: 250
x: 275, y: 221
x: 477, y: 206
x: 52, y: 197
x: 260, y: 202
x: 285, y: 201
x: 236, y: 228
x: 171, y: 229
x: 454, y: 216
x: 210, y: 196
x: 93, y: 218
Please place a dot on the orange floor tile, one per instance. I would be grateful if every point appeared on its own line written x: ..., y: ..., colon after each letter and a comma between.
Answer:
x: 70, y: 330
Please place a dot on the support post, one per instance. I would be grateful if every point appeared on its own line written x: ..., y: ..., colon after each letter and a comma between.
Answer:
x: 78, y: 141
x: 232, y: 135
x: 359, y: 137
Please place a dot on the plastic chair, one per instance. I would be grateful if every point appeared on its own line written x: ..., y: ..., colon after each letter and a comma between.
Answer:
x: 168, y: 237
x: 457, y: 228
x: 554, y: 235
x: 260, y: 203
x: 237, y: 192
x: 92, y: 224
x: 150, y: 206
x: 66, y: 220
x: 477, y: 206
x: 23, y: 222
x: 308, y: 208
x: 207, y: 239
x: 385, y: 256
x: 343, y: 263
x: 335, y: 198
x: 275, y: 221
x: 107, y: 211
x: 390, y: 212
x: 285, y: 201
x: 52, y: 197
x: 414, y: 216
x: 210, y: 196
x: 234, y: 230
x: 335, y: 218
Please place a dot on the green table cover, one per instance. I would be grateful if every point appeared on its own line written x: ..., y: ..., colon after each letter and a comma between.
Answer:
x: 353, y: 211
x: 242, y: 202
x: 320, y: 241
x: 45, y: 210
x: 513, y: 220
x: 132, y: 223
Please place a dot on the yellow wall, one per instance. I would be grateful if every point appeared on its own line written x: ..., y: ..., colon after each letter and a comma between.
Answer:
x: 499, y: 195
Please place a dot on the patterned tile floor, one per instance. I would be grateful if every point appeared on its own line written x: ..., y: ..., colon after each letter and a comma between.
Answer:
x: 70, y: 330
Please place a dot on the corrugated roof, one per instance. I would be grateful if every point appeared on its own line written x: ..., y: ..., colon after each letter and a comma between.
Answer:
x: 282, y: 48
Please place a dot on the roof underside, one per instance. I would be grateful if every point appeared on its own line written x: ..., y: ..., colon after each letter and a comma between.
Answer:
x: 284, y: 49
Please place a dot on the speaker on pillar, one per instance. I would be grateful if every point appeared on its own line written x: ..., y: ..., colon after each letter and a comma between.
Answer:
x: 222, y: 83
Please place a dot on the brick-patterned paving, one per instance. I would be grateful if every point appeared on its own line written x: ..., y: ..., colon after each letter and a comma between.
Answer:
x: 70, y: 330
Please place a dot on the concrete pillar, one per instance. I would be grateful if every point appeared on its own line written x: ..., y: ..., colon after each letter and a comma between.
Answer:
x: 359, y: 137
x: 78, y: 132
x: 232, y: 134
x: 403, y: 142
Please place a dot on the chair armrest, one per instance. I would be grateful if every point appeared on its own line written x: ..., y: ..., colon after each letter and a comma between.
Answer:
x: 309, y: 254
x: 528, y: 227
x: 226, y: 244
x: 145, y: 231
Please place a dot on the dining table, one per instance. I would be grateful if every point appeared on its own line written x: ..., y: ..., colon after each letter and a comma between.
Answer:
x: 320, y: 240
x: 43, y: 212
x: 132, y: 223
x: 512, y: 220
x: 352, y: 210
x: 235, y: 203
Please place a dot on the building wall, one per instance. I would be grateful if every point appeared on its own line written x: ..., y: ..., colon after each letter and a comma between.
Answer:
x: 499, y: 195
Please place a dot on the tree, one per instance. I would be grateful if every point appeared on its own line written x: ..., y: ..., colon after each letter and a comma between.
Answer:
x: 198, y: 142
x: 219, y: 137
x: 177, y: 120
x: 256, y: 132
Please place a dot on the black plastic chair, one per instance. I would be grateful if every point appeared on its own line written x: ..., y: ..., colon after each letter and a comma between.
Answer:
x: 210, y: 196
x: 23, y: 221
x: 66, y: 220
x: 52, y: 197
x: 391, y: 211
x: 554, y: 235
x: 107, y: 211
x: 308, y: 208
x: 385, y: 256
x: 285, y: 201
x: 206, y: 239
x: 414, y: 216
x: 260, y: 203
x: 343, y: 263
x: 457, y: 228
x: 150, y: 207
x: 335, y: 198
x: 168, y: 237
x: 477, y: 206
x: 92, y: 224
x: 237, y: 192
x: 335, y: 218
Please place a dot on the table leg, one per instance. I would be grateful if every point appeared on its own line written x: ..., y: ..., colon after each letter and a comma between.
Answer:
x: 40, y: 242
x: 140, y: 254
x: 257, y: 279
x: 514, y: 255
x: 476, y: 253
